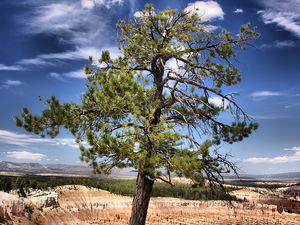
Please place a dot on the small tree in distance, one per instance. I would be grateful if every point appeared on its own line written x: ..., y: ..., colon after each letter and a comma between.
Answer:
x: 151, y: 109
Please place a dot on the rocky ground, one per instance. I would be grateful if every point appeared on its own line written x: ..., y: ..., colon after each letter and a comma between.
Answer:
x: 80, y: 205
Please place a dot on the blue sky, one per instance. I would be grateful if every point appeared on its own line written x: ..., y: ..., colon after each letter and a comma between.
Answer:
x: 46, y: 43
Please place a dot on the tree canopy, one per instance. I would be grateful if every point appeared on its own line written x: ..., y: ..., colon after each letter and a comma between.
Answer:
x: 151, y: 107
x: 157, y: 93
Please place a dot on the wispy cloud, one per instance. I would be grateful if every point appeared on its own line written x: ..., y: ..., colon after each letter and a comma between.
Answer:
x: 259, y: 95
x: 207, y: 11
x: 74, y: 74
x: 22, y: 140
x: 25, y: 140
x: 267, y: 117
x: 25, y: 155
x: 284, y: 14
x: 238, y: 11
x: 53, y: 58
x: 280, y: 44
x: 10, y: 67
x: 10, y: 83
x: 62, y: 19
x: 83, y: 24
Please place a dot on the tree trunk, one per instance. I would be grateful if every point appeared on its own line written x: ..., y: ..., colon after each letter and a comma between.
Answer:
x: 141, y: 199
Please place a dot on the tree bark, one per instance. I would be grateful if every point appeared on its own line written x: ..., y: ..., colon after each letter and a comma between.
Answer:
x: 141, y: 199
x: 144, y: 182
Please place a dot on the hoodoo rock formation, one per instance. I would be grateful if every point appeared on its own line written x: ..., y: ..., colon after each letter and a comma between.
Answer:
x: 75, y: 204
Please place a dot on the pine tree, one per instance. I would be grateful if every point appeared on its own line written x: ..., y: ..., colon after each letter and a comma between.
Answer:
x: 151, y: 109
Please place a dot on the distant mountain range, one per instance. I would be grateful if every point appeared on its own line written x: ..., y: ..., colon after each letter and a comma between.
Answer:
x: 63, y: 169
x: 36, y: 168
x: 290, y: 175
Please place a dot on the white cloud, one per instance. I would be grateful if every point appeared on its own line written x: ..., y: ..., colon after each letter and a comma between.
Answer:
x: 284, y: 14
x: 257, y: 160
x: 206, y: 10
x: 266, y: 94
x: 172, y: 67
x: 13, y: 82
x: 276, y: 160
x: 92, y: 3
x: 217, y: 101
x: 238, y: 11
x: 10, y: 68
x: 280, y: 159
x: 87, y: 4
x: 67, y: 142
x: 293, y: 149
x: 74, y: 74
x: 138, y: 14
x: 25, y: 155
x: 56, y: 75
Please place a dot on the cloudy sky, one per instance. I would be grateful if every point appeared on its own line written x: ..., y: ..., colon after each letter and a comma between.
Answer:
x: 46, y: 43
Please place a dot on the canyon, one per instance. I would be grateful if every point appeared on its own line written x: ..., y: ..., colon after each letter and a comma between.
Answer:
x: 75, y: 204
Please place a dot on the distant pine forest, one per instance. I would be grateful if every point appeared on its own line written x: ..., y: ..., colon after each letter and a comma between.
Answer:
x: 123, y: 187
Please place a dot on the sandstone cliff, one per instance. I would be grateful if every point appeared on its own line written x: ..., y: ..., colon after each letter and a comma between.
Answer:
x: 80, y: 205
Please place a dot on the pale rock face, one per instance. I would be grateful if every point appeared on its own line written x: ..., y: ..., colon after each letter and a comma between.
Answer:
x: 11, y: 205
x: 81, y: 205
